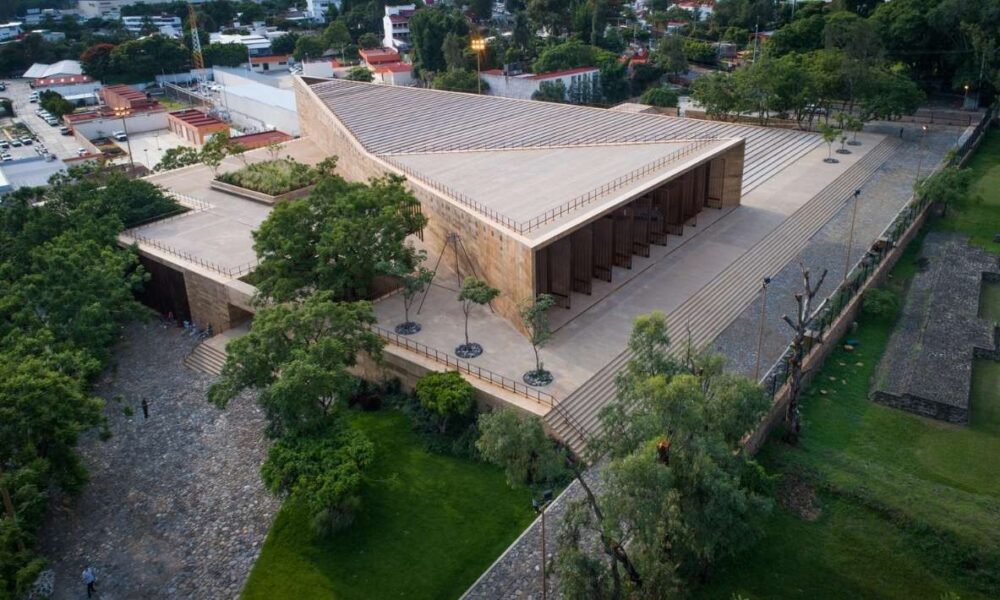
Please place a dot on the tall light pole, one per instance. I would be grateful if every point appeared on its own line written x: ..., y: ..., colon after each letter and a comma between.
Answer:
x: 148, y: 166
x: 760, y: 330
x: 850, y: 237
x: 540, y: 506
x: 965, y: 101
x: 920, y: 160
x: 122, y: 113
x: 478, y: 45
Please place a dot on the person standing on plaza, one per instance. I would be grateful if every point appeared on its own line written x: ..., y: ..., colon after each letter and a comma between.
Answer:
x: 90, y: 579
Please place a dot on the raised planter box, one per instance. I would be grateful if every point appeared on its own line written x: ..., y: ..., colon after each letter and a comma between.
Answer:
x: 249, y: 194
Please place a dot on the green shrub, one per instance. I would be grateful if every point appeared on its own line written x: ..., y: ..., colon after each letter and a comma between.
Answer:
x: 659, y: 96
x: 880, y: 304
x: 273, y: 177
x: 447, y: 395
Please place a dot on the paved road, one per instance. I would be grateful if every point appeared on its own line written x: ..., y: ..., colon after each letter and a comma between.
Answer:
x: 63, y: 146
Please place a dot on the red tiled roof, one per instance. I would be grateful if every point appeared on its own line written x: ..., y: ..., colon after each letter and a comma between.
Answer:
x: 259, y: 140
x: 399, y: 19
x: 378, y: 56
x: 53, y: 81
x: 396, y: 67
x: 196, y: 117
x: 105, y: 112
x: 563, y: 73
x: 259, y: 60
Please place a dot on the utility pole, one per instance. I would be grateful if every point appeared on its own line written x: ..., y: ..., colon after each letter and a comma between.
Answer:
x: 760, y: 330
x: 850, y: 237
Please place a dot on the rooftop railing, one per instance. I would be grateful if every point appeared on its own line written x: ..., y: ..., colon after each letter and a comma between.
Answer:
x: 232, y: 272
x: 464, y: 366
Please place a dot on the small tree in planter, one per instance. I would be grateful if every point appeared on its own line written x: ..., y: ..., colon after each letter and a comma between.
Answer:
x: 448, y: 396
x: 413, y: 281
x: 274, y: 149
x: 214, y: 150
x: 535, y: 316
x: 474, y: 291
x: 855, y: 125
x: 829, y: 136
x: 842, y: 149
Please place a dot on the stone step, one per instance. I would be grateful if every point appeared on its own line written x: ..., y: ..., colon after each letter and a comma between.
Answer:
x: 709, y: 311
x: 206, y: 359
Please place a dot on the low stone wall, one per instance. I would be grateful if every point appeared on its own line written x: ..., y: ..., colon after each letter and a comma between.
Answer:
x: 261, y: 197
x: 923, y: 407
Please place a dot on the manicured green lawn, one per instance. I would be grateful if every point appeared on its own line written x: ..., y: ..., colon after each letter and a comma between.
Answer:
x: 910, y: 507
x: 429, y: 526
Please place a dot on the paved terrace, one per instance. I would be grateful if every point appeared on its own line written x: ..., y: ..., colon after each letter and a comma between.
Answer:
x: 396, y: 123
x: 675, y: 280
x: 216, y: 232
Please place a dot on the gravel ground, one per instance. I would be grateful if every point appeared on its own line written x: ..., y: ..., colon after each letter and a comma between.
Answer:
x: 175, y: 507
x: 882, y: 197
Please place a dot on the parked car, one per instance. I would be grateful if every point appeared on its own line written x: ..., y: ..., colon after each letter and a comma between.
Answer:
x: 3, y: 86
x: 4, y: 144
x: 53, y: 122
x: 27, y: 141
x: 81, y: 151
x: 65, y: 131
x: 6, y: 157
x: 120, y: 136
x: 15, y: 143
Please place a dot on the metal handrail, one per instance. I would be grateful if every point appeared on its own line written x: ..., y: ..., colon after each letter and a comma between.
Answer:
x: 233, y: 272
x: 464, y: 366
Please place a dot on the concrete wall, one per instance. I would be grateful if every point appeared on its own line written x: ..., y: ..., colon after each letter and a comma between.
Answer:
x: 522, y: 88
x: 257, y: 114
x: 137, y: 123
x: 498, y: 257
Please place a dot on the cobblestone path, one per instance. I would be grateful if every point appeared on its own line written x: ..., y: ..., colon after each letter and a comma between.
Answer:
x: 175, y: 507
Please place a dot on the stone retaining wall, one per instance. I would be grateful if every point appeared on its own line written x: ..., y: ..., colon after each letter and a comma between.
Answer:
x: 256, y: 196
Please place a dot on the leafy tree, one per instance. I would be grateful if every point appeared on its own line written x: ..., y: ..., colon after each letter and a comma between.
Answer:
x: 309, y: 46
x: 474, y: 291
x: 947, y: 187
x: 535, y: 317
x: 285, y: 44
x: 215, y: 150
x: 455, y: 49
x: 369, y: 40
x: 337, y: 36
x: 323, y: 471
x: 297, y: 356
x: 669, y: 54
x: 571, y: 54
x: 145, y: 58
x: 224, y: 55
x: 428, y: 30
x: 458, y: 80
x: 518, y: 444
x: 175, y: 158
x: 483, y: 9
x: 336, y: 239
x: 448, y: 396
x: 360, y: 74
x: 829, y: 135
x: 413, y: 279
x: 55, y: 103
x: 699, y: 51
x: 550, y: 91
x: 659, y: 96
x: 715, y: 93
x: 881, y: 305
x: 552, y: 15
x: 96, y: 60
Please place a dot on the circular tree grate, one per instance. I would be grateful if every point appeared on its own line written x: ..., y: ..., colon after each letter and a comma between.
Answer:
x: 408, y: 328
x: 469, y: 350
x: 538, y: 378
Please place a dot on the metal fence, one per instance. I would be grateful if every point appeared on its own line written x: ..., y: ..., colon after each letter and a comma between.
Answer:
x: 233, y: 272
x: 464, y: 366
x: 835, y: 304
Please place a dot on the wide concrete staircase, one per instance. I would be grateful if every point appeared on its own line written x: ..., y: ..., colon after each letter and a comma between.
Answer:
x: 709, y: 311
x: 206, y: 358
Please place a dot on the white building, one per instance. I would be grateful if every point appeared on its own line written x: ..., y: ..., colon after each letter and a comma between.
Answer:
x: 63, y: 68
x: 257, y: 44
x: 107, y: 9
x: 317, y: 9
x: 35, y: 16
x: 523, y: 85
x: 257, y: 103
x: 165, y: 24
x: 396, y: 26
x: 74, y: 85
x: 9, y: 31
x: 701, y: 10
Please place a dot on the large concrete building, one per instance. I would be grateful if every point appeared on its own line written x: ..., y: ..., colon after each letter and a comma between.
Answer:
x: 542, y: 198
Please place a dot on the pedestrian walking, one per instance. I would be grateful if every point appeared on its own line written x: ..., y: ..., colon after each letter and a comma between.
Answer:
x: 145, y: 409
x: 90, y: 579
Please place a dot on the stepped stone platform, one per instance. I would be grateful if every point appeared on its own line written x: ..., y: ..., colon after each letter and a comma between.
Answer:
x: 927, y: 366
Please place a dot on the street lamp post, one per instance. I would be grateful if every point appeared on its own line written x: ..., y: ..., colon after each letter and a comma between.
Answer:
x: 965, y: 101
x: 148, y: 166
x: 478, y: 45
x: 850, y: 237
x: 540, y: 506
x: 760, y: 330
x: 920, y: 159
x: 122, y: 113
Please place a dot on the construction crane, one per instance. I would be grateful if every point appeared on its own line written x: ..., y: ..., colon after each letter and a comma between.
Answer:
x: 198, y: 59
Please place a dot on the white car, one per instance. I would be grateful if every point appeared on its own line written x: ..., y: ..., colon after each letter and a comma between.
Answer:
x: 81, y: 151
x: 6, y: 157
x: 120, y: 136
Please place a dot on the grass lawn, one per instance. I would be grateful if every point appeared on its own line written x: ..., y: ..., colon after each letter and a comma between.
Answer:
x: 909, y: 507
x: 429, y: 526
